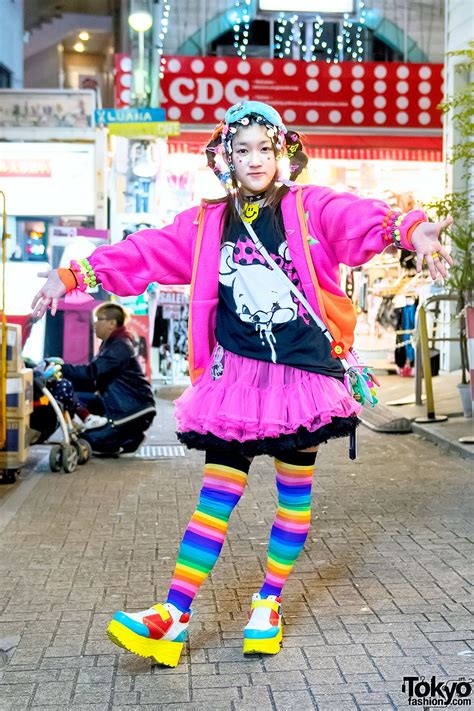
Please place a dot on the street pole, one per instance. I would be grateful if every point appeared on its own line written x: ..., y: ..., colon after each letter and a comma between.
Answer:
x: 140, y: 75
x: 341, y: 44
x: 140, y: 20
x: 203, y: 27
x: 155, y: 57
x: 405, y: 31
x: 296, y: 44
x: 308, y: 39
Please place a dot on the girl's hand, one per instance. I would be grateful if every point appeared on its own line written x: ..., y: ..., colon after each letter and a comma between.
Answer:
x: 425, y: 240
x: 49, y: 294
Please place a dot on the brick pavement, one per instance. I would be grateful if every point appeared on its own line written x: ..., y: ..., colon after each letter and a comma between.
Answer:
x: 382, y: 590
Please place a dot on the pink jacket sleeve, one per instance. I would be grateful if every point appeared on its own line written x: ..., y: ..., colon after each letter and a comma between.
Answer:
x: 163, y: 255
x: 353, y: 227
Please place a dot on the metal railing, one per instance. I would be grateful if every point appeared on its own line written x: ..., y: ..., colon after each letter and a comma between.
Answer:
x: 423, y: 356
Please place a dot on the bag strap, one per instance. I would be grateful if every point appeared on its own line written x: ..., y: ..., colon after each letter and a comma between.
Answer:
x: 289, y: 284
x: 304, y: 234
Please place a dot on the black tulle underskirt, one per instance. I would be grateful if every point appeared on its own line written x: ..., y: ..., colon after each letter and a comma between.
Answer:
x: 301, y: 439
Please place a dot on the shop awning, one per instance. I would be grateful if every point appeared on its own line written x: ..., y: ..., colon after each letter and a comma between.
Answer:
x: 343, y: 147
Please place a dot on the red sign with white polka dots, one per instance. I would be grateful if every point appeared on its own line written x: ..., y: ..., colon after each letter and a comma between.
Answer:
x: 314, y: 94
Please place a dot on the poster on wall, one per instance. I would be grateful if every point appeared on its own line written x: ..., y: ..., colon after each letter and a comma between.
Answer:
x: 45, y: 108
x: 368, y: 95
x: 139, y: 327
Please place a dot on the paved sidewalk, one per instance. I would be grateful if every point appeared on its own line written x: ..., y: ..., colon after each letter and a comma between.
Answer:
x: 447, y: 401
x: 382, y: 590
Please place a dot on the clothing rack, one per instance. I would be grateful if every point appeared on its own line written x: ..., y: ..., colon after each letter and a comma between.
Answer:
x: 405, y: 285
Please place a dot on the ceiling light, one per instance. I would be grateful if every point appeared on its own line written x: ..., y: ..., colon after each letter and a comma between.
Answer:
x: 79, y: 47
x: 84, y: 36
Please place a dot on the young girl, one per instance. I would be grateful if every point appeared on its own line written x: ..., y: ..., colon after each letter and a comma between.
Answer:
x: 265, y: 379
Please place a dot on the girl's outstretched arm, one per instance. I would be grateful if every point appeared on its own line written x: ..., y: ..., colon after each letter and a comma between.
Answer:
x: 357, y: 229
x: 126, y: 268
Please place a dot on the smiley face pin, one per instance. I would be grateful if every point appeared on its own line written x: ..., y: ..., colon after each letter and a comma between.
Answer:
x: 250, y: 212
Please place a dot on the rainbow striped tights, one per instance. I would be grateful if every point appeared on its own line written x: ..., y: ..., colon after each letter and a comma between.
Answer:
x: 225, y: 476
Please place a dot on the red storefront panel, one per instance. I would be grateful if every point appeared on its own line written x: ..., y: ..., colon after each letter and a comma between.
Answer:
x: 317, y: 94
x: 122, y: 80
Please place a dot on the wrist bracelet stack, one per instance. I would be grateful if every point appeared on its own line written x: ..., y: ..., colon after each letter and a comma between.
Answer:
x: 398, y: 233
x: 88, y: 273
x: 395, y: 231
x: 391, y: 227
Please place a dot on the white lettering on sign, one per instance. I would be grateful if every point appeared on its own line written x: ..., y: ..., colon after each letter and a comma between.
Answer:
x: 175, y: 90
x: 231, y: 93
x: 208, y: 91
x: 123, y: 115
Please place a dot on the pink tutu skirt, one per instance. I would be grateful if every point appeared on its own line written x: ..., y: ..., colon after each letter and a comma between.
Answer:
x: 254, y: 407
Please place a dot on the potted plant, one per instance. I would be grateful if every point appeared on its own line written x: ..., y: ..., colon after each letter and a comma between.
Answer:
x: 459, y: 205
x: 461, y: 280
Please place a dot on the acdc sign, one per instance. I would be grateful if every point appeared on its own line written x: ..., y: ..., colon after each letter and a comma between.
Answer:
x: 207, y: 91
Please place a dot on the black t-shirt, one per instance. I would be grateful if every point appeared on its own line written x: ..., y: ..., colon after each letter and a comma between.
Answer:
x: 257, y: 316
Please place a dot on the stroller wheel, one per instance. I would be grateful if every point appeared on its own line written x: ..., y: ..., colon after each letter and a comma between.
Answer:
x: 70, y: 458
x: 8, y: 476
x: 84, y: 450
x: 55, y: 458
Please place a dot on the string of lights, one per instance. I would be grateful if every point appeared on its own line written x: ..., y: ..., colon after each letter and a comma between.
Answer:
x: 164, y: 22
x: 280, y: 37
x: 237, y: 30
x: 242, y: 24
x: 348, y: 44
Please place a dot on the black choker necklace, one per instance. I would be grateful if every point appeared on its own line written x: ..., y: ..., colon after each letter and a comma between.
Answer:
x: 254, y: 198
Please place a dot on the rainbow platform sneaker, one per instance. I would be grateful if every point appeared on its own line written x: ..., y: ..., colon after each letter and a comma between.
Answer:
x: 159, y: 632
x: 263, y: 633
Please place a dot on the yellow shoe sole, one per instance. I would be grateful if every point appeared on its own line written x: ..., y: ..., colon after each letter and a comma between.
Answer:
x: 263, y: 646
x: 161, y: 650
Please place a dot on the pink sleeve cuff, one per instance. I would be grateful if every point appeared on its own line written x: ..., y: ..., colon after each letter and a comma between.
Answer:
x: 77, y: 297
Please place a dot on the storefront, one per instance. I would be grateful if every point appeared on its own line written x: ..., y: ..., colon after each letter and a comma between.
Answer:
x: 52, y: 168
x: 46, y: 184
x: 369, y: 128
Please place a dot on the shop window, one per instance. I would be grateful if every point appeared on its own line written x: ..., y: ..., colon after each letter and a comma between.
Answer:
x: 258, y: 41
x: 381, y: 52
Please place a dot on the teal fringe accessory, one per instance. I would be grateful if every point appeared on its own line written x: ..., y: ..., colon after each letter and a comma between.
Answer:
x: 360, y: 382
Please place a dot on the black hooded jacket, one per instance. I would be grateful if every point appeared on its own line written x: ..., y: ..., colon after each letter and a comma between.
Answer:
x: 116, y: 375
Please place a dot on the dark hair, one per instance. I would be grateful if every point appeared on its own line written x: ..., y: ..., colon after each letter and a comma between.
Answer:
x: 231, y: 219
x: 113, y: 312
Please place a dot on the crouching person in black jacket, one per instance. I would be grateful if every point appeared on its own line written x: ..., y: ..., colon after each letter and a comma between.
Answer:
x: 113, y: 385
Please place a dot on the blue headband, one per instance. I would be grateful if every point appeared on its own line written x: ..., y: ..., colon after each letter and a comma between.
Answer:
x: 265, y: 115
x: 245, y: 108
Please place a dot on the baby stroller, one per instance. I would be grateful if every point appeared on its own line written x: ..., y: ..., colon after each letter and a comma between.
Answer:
x: 48, y: 415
